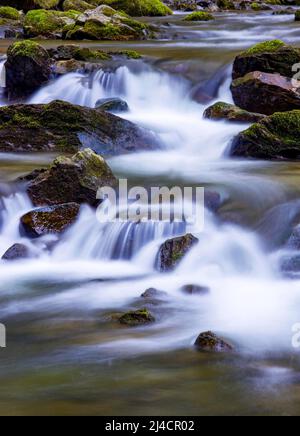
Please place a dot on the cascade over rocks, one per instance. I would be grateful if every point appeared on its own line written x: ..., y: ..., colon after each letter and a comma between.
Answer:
x: 173, y: 251
x: 70, y: 180
x: 27, y: 68
x: 266, y: 93
x: 275, y: 137
x: 63, y: 127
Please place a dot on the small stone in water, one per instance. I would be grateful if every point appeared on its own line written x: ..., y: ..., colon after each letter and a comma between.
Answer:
x: 136, y: 318
x: 153, y: 293
x: 195, y: 290
x: 208, y: 341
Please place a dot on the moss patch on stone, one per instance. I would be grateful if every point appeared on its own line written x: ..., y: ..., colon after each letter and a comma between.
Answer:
x: 139, y: 8
x: 137, y: 318
x: 9, y: 13
x: 42, y: 22
x: 266, y: 47
x: 199, y: 16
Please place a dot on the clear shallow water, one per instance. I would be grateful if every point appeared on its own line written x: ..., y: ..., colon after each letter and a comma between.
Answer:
x: 66, y: 354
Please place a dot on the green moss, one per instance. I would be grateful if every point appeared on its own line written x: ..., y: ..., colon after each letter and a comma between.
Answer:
x: 46, y: 4
x: 40, y: 22
x: 265, y: 47
x: 86, y: 54
x: 130, y: 54
x: 256, y: 6
x: 136, y: 318
x: 78, y: 5
x: 27, y: 48
x: 10, y: 13
x: 139, y: 8
x: 199, y: 16
x: 273, y: 2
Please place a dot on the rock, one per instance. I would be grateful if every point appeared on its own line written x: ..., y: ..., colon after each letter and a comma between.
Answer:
x: 173, y: 251
x: 49, y: 220
x: 104, y: 23
x: 27, y: 68
x: 266, y: 93
x: 63, y: 67
x: 229, y: 112
x: 268, y: 57
x: 199, y: 16
x: 183, y: 5
x: 75, y: 52
x: 17, y: 252
x: 76, y: 5
x: 9, y: 13
x: 66, y: 128
x: 140, y: 8
x: 72, y: 180
x: 290, y: 265
x: 49, y: 24
x: 40, y: 4
x: 153, y: 293
x: 195, y: 290
x: 137, y: 318
x: 275, y: 137
x: 297, y: 16
x: 226, y: 5
x: 208, y: 341
x: 112, y: 105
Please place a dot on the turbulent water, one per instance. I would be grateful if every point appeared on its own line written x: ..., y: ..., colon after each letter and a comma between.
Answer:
x: 58, y: 305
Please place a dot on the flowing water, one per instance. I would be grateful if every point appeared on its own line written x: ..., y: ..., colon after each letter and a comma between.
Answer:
x: 66, y: 354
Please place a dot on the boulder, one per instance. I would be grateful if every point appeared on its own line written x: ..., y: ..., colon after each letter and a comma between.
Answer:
x: 266, y: 93
x: 39, y: 4
x: 71, y: 180
x: 139, y: 8
x: 137, y: 318
x: 27, y: 68
x: 229, y: 112
x: 199, y: 16
x: 268, y: 57
x: 173, y: 251
x: 226, y: 5
x: 195, y: 290
x: 153, y: 293
x: 276, y: 137
x: 210, y: 342
x: 49, y: 220
x: 75, y: 52
x: 66, y: 128
x: 17, y: 252
x: 112, y: 105
x: 49, y: 24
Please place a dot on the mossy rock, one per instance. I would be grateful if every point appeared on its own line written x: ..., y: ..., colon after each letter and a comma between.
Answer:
x: 137, y: 318
x: 297, y: 16
x: 210, y: 342
x: 230, y: 112
x: 48, y: 23
x: 49, y: 220
x: 112, y: 105
x: 274, y: 138
x: 173, y: 251
x: 9, y: 13
x: 226, y: 5
x: 77, y: 5
x: 71, y: 180
x: 199, y: 16
x: 27, y: 68
x: 75, y: 52
x: 63, y: 127
x: 269, y: 57
x: 17, y: 252
x: 139, y: 8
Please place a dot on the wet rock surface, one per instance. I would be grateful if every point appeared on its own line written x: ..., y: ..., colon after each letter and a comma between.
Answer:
x: 17, y: 252
x: 173, y: 251
x: 49, y: 220
x: 210, y: 342
x: 137, y: 318
x: 229, y: 112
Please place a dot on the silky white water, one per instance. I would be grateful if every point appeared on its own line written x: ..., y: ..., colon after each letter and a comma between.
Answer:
x: 249, y: 302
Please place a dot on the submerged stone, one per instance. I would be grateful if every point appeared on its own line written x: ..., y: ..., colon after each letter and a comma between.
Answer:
x: 195, y: 290
x: 137, y: 318
x: 112, y: 105
x: 208, y: 341
x: 17, y: 252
